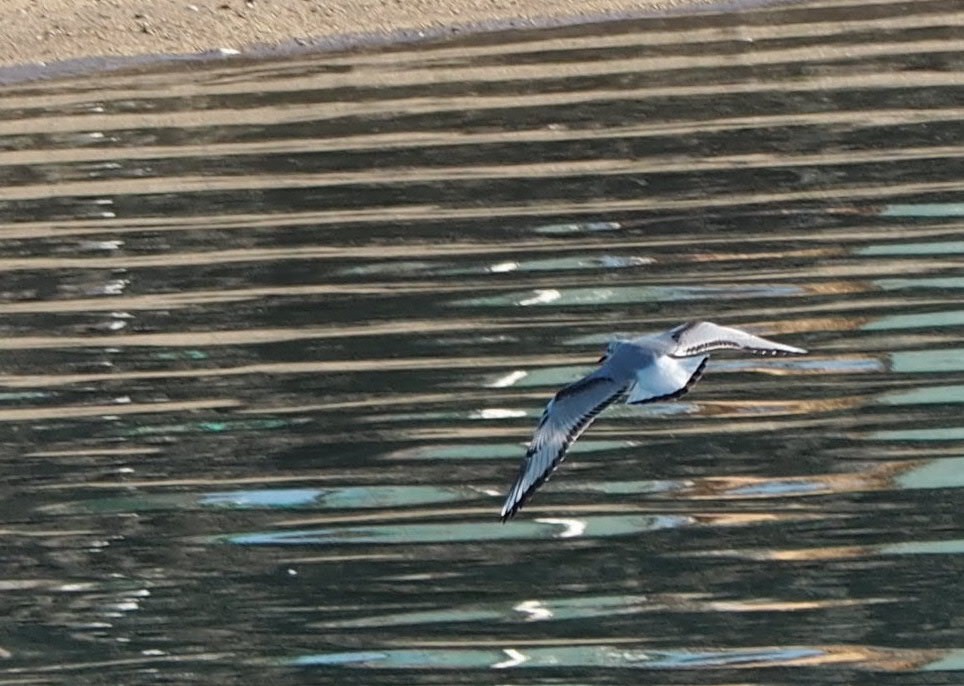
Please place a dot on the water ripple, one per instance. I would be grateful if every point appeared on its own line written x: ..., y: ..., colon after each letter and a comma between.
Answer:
x: 276, y: 333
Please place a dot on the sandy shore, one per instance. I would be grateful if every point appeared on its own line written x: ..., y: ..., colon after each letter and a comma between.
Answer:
x: 45, y: 31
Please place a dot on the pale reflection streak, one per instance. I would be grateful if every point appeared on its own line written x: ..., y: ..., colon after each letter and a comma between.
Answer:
x: 738, y: 424
x: 96, y: 451
x: 209, y: 258
x: 419, y: 363
x: 242, y: 221
x: 496, y: 413
x: 395, y: 213
x: 541, y: 297
x: 919, y: 474
x: 583, y: 653
x: 196, y: 482
x: 107, y: 411
x: 571, y: 528
x: 420, y: 139
x: 403, y: 526
x: 515, y: 658
x: 227, y: 338
x: 530, y: 170
x: 151, y: 658
x: 949, y: 547
x: 294, y: 112
x: 414, y: 73
x: 897, y: 475
x: 876, y: 477
x: 509, y: 379
x: 534, y: 610
x: 576, y: 608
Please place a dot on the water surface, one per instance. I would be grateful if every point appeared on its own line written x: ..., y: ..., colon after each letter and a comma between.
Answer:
x: 275, y: 334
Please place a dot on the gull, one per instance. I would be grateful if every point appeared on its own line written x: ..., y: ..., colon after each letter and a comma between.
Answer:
x: 661, y: 366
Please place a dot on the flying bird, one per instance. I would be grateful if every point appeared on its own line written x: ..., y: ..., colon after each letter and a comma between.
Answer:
x: 647, y: 369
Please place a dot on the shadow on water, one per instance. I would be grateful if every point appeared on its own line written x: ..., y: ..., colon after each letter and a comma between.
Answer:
x: 275, y: 334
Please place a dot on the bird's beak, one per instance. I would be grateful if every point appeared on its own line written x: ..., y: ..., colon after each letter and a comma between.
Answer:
x: 602, y: 359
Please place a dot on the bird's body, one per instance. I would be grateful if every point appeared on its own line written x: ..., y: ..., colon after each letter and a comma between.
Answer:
x: 650, y: 368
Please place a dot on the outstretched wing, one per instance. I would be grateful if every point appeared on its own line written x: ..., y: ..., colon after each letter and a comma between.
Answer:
x: 696, y: 338
x: 566, y: 416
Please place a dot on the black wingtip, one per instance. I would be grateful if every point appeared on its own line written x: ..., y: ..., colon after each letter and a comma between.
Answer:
x: 770, y: 352
x: 511, y: 504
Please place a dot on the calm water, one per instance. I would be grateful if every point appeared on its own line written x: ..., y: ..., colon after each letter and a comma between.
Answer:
x: 275, y: 333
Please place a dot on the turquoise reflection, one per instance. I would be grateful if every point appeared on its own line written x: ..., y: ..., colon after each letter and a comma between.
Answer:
x: 632, y: 487
x: 349, y: 497
x: 280, y: 497
x: 925, y: 396
x: 449, y: 268
x: 955, y: 433
x: 355, y: 658
x: 563, y: 656
x: 445, y: 615
x: 900, y: 284
x: 453, y: 532
x: 489, y: 451
x: 556, y: 609
x: 925, y: 320
x: 952, y: 662
x: 950, y: 547
x: 214, y: 426
x: 557, y: 264
x: 945, y: 360
x: 480, y: 413
x: 393, y: 267
x: 554, y: 377
x: 24, y: 395
x: 936, y: 248
x: 943, y: 473
x: 856, y: 365
x: 457, y: 451
x: 934, y: 209
x: 778, y: 488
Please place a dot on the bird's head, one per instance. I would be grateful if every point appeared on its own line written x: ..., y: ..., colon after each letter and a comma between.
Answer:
x: 610, y: 347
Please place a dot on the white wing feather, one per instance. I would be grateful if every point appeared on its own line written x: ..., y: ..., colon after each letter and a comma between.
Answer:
x: 566, y: 416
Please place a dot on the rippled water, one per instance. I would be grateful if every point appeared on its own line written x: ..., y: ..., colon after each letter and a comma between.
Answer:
x: 275, y: 334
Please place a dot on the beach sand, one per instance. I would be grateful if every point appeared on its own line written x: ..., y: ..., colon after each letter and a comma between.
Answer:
x: 45, y: 31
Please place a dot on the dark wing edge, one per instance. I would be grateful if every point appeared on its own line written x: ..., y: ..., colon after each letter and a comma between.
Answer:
x: 729, y: 345
x: 520, y: 495
x: 740, y: 340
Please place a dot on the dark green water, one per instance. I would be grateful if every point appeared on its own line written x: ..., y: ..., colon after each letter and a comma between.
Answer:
x: 274, y: 335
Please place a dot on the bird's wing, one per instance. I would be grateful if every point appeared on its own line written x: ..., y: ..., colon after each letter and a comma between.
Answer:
x: 666, y: 378
x: 566, y: 416
x: 696, y: 338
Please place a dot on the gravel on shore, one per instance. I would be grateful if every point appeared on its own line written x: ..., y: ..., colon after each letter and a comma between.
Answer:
x: 45, y: 31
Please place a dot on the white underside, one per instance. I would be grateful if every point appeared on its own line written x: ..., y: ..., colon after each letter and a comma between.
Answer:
x: 666, y: 376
